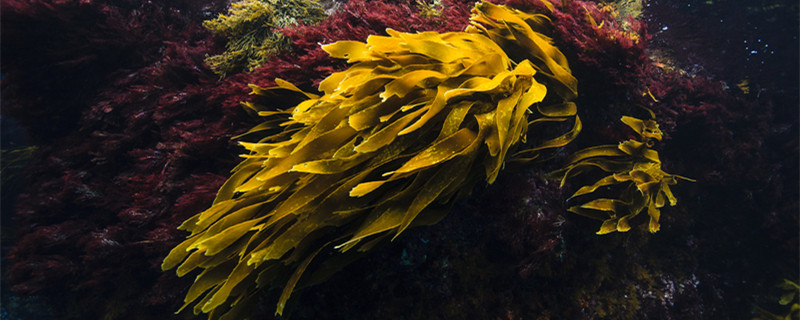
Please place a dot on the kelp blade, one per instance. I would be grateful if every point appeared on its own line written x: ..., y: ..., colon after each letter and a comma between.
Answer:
x: 390, y: 143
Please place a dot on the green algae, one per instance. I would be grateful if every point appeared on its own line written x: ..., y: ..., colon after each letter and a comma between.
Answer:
x: 251, y: 27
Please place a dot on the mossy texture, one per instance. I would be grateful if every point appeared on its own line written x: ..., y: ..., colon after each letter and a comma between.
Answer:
x: 12, y: 161
x: 251, y: 27
x: 391, y: 143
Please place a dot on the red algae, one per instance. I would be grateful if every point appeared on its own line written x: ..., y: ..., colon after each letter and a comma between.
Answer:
x: 306, y: 64
x: 147, y: 145
x: 142, y: 141
x: 97, y: 212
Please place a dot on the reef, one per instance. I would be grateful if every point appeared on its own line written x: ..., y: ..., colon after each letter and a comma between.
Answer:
x: 132, y: 132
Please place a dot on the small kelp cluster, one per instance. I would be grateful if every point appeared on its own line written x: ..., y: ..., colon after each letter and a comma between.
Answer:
x: 391, y: 143
x: 790, y: 297
x: 634, y: 166
x: 251, y: 27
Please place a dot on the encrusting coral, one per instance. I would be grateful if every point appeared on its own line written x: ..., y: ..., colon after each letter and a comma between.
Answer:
x: 631, y: 163
x: 392, y: 142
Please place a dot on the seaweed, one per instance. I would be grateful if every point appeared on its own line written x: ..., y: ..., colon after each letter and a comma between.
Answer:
x: 392, y: 142
x: 12, y: 162
x: 790, y: 297
x: 633, y: 164
x: 252, y: 29
x: 430, y: 9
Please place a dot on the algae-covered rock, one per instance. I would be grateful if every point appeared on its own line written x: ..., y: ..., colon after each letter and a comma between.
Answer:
x: 251, y: 27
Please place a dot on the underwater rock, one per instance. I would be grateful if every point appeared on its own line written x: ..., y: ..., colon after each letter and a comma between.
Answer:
x: 132, y: 133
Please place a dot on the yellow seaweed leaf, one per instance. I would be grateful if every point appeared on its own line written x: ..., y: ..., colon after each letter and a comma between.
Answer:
x: 789, y: 298
x: 352, y: 50
x: 439, y: 152
x: 391, y: 143
x: 633, y: 166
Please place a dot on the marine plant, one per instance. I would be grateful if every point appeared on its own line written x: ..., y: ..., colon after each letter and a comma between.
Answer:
x: 634, y: 166
x: 12, y: 161
x: 790, y: 297
x: 749, y: 156
x: 391, y: 143
x: 251, y: 27
x: 430, y: 9
x: 115, y: 174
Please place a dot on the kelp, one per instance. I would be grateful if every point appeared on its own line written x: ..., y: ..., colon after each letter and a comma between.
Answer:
x: 790, y: 297
x: 389, y: 144
x: 635, y: 167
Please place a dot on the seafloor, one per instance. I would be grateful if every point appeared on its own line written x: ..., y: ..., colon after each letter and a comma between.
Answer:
x: 117, y: 119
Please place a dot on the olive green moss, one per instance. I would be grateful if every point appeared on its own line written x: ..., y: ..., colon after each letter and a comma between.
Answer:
x: 251, y: 29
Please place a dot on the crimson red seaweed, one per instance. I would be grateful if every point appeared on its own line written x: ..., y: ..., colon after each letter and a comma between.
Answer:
x: 133, y: 134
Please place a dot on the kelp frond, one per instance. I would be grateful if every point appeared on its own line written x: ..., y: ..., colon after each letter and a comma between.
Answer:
x: 634, y: 166
x: 790, y: 297
x: 391, y: 143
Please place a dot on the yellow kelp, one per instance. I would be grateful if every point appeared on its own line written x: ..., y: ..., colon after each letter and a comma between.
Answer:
x: 790, y: 298
x: 391, y: 143
x: 632, y: 164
